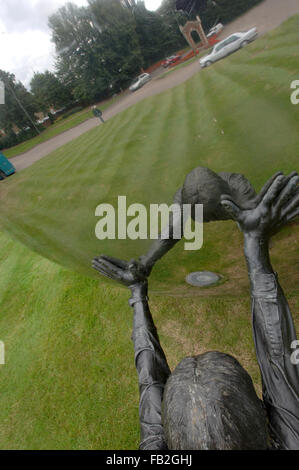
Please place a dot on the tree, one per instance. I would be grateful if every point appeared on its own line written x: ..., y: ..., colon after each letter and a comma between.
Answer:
x: 158, y: 34
x: 120, y: 49
x: 71, y: 33
x: 172, y: 19
x: 231, y: 9
x: 19, y: 107
x: 190, y: 6
x: 211, y: 11
x: 49, y: 91
x: 97, y: 48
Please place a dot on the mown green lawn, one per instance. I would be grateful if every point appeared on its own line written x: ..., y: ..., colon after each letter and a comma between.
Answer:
x: 69, y: 381
x: 60, y: 126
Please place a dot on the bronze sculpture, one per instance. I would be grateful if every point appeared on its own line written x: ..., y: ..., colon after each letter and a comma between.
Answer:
x: 202, y: 186
x: 209, y: 401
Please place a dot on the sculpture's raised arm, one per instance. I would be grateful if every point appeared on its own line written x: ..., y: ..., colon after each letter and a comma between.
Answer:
x: 162, y: 245
x: 150, y: 360
x: 273, y: 328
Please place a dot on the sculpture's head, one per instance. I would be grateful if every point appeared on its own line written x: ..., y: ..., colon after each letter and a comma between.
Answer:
x: 204, y: 186
x: 210, y: 403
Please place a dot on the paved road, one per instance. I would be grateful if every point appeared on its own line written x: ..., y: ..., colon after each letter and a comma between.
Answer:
x: 266, y: 16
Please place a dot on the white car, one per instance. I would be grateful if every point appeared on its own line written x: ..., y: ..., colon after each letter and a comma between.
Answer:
x: 140, y: 81
x: 215, y: 30
x: 231, y: 44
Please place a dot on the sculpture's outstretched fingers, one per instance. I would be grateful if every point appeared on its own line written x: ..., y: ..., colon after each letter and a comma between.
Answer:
x: 107, y: 268
x: 274, y: 190
x: 116, y: 261
x: 290, y: 209
x: 102, y: 271
x: 292, y: 215
x: 287, y: 192
x: 293, y: 173
x: 266, y: 186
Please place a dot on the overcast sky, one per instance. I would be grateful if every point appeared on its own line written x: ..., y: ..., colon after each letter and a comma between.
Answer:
x: 25, y: 37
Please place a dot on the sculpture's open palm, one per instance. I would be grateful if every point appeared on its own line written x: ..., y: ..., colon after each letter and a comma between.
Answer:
x: 127, y: 273
x: 277, y: 204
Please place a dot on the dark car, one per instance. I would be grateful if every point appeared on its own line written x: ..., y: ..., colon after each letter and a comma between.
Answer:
x: 6, y: 168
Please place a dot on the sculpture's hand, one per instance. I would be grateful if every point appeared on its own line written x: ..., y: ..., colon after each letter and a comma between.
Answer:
x: 127, y: 273
x: 276, y: 205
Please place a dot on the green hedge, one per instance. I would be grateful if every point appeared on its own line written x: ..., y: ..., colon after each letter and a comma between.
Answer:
x: 12, y: 139
x: 72, y: 111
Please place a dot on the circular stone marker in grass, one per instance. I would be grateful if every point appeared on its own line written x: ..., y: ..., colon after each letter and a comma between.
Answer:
x: 202, y: 278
